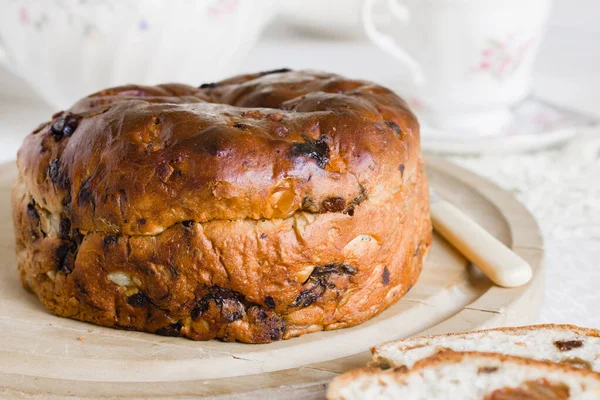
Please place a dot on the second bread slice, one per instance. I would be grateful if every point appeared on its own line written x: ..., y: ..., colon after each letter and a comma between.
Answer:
x: 567, y: 344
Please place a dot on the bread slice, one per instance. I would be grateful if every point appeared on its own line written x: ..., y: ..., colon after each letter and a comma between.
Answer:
x: 558, y: 343
x: 469, y: 376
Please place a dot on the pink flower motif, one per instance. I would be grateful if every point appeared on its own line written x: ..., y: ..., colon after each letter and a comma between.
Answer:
x: 223, y: 7
x: 415, y: 103
x: 23, y: 15
x: 501, y: 59
x: 504, y: 64
x: 544, y: 119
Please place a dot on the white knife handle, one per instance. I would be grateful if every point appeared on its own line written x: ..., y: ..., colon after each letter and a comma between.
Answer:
x: 497, y: 261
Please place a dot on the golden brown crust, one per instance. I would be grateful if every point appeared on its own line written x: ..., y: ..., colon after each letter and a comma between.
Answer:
x: 328, y: 138
x: 540, y: 389
x: 456, y: 356
x: 262, y: 207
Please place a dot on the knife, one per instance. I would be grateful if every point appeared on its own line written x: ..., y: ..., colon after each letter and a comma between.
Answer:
x: 500, y: 264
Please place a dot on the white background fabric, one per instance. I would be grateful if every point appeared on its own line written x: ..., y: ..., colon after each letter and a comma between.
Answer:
x: 562, y: 190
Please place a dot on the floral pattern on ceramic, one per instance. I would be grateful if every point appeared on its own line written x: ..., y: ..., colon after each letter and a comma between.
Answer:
x: 90, y: 45
x: 39, y: 20
x: 463, y: 80
x: 216, y: 9
x: 223, y: 7
x: 501, y: 59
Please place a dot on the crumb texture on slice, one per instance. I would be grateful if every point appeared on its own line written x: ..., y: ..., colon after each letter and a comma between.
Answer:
x: 558, y: 343
x: 470, y: 376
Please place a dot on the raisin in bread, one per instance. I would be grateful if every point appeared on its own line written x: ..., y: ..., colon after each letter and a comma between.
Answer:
x: 558, y: 343
x: 469, y: 376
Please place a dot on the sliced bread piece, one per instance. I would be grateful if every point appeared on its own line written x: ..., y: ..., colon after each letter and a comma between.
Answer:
x: 558, y: 343
x: 469, y: 376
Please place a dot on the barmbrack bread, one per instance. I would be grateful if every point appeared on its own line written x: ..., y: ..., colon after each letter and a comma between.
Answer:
x: 258, y: 208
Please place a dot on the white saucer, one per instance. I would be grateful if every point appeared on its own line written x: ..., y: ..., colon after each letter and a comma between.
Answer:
x: 536, y: 125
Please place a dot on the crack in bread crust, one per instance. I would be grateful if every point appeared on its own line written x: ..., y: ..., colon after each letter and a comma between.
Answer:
x: 128, y: 221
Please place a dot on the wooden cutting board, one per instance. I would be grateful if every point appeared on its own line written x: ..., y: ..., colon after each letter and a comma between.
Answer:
x: 43, y: 356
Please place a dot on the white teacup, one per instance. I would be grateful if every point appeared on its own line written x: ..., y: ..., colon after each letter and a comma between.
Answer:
x: 470, y: 60
x: 68, y: 49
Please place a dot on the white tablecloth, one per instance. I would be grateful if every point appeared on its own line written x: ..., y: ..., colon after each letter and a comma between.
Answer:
x: 560, y: 187
x: 562, y: 190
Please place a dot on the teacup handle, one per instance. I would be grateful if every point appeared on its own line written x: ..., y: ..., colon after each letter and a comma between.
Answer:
x: 386, y: 42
